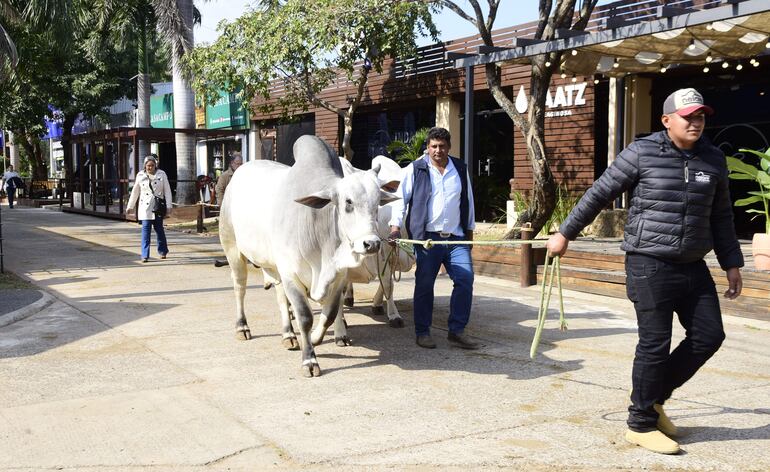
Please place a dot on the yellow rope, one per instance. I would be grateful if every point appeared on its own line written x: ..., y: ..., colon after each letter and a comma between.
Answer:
x: 429, y: 243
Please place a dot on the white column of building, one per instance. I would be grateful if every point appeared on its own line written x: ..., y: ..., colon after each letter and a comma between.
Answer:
x: 448, y: 116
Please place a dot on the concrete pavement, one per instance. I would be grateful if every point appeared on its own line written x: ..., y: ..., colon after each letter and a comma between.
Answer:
x: 135, y: 367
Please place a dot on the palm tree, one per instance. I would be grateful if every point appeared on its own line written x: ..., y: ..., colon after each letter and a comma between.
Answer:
x: 126, y: 21
x: 8, y: 53
x: 175, y: 20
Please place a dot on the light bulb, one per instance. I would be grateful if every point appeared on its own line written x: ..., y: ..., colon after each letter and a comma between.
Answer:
x: 706, y: 69
x: 692, y: 45
x: 548, y: 63
x: 709, y: 58
x: 615, y: 64
x: 574, y: 52
x: 596, y: 81
x: 563, y: 75
x: 574, y: 79
x: 739, y: 66
x: 756, y: 63
x: 663, y: 70
x: 767, y: 45
x: 725, y: 65
x: 710, y: 26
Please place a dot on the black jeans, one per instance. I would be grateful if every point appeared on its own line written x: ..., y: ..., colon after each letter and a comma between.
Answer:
x: 658, y: 289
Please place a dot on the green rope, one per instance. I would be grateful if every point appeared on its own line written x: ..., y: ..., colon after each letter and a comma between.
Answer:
x: 551, y: 263
x: 429, y: 243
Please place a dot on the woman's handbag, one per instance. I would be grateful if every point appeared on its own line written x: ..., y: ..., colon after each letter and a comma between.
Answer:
x: 159, y: 206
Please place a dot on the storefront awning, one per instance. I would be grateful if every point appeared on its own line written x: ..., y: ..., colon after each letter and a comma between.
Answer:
x: 735, y: 34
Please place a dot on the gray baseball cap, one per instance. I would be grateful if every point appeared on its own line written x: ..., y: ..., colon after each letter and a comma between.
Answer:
x: 684, y: 102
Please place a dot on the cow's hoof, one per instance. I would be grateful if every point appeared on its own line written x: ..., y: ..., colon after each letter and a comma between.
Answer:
x: 378, y: 311
x: 343, y: 341
x: 243, y: 334
x: 312, y: 370
x: 268, y: 286
x: 348, y: 302
x: 396, y: 322
x: 290, y: 343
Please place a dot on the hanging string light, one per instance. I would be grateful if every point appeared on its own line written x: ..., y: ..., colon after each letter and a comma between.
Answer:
x: 574, y: 52
x: 706, y: 70
x: 574, y: 79
x: 709, y: 58
x: 663, y: 69
x: 563, y: 74
x: 739, y: 66
x: 725, y: 65
x: 692, y: 45
x: 615, y: 64
x: 710, y: 26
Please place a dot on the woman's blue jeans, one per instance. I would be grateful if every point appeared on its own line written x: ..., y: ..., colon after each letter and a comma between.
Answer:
x: 457, y: 260
x: 157, y: 223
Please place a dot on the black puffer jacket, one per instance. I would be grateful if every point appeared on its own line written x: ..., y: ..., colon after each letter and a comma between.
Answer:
x: 680, y: 207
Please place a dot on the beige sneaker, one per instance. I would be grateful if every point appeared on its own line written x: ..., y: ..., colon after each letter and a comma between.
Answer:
x: 664, y: 422
x: 655, y: 441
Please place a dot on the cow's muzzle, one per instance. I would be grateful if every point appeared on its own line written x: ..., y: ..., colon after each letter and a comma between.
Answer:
x: 368, y: 245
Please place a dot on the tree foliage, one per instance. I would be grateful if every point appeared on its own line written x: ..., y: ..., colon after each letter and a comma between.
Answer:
x: 564, y: 14
x: 282, y: 55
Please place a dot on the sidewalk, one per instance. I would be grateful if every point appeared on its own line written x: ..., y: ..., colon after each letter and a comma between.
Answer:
x: 136, y: 367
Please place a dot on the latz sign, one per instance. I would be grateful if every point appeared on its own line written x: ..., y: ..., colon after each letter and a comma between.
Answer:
x: 571, y: 95
x: 567, y: 96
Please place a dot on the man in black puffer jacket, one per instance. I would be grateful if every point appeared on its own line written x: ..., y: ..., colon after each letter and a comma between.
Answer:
x: 680, y: 210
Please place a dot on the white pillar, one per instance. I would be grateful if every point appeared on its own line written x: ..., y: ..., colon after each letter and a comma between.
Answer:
x: 448, y: 116
x: 14, y: 153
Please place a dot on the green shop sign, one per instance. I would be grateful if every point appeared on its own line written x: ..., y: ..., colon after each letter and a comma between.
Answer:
x: 162, y: 111
x: 227, y: 112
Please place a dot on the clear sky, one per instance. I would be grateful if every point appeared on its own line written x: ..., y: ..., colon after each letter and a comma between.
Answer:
x: 510, y: 13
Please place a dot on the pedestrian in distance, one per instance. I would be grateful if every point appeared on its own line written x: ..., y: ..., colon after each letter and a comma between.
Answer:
x: 150, y: 183
x: 11, y: 181
x: 437, y: 203
x: 224, y: 179
x: 680, y: 209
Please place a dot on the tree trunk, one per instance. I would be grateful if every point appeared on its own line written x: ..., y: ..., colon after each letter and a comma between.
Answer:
x: 347, y: 149
x: 543, y: 199
x: 143, y: 86
x: 40, y: 163
x: 69, y: 122
x: 184, y: 117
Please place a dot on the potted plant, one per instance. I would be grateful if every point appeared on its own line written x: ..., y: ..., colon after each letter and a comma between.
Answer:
x: 740, y: 170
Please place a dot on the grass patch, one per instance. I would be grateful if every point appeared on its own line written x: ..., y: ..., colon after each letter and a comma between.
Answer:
x: 11, y: 281
x: 211, y: 226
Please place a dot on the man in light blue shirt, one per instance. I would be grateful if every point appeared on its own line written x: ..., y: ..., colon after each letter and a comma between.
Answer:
x: 437, y: 200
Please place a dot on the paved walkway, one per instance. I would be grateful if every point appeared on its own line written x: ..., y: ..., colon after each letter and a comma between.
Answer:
x: 135, y: 367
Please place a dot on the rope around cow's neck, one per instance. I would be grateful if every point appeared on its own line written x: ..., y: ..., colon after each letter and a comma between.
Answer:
x: 552, y: 263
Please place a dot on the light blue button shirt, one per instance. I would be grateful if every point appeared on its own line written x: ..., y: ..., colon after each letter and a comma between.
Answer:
x: 444, y: 201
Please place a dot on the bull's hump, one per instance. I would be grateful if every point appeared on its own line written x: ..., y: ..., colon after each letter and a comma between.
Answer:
x: 313, y: 154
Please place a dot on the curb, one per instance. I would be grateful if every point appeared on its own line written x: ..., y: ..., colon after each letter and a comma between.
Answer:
x: 28, y: 310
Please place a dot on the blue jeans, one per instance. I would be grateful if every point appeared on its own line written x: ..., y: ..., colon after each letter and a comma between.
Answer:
x: 457, y: 260
x: 157, y: 223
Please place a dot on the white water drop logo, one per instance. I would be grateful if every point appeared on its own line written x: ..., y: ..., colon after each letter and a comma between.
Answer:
x: 521, y: 100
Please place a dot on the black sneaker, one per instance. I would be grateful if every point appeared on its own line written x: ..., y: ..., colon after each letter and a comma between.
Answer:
x: 462, y: 341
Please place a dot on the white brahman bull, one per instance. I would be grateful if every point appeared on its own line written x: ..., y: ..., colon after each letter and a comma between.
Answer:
x: 389, y: 259
x: 305, y: 225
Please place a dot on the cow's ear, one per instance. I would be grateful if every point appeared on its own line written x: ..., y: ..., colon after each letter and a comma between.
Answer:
x: 316, y: 200
x: 391, y: 186
x: 386, y: 197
